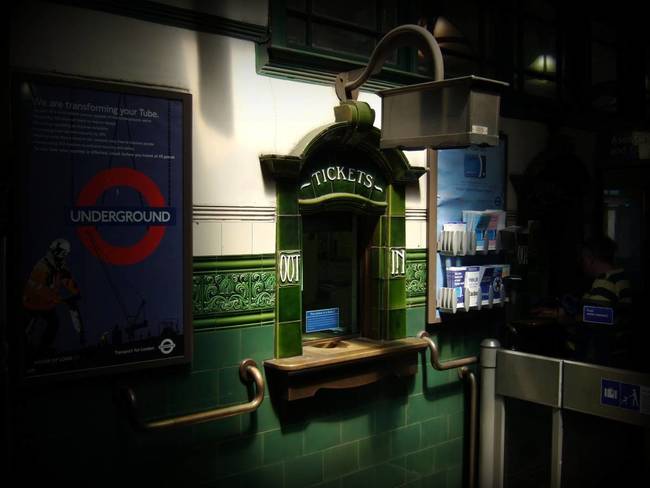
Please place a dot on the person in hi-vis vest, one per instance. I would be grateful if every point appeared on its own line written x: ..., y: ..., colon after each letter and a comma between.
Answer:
x: 50, y: 284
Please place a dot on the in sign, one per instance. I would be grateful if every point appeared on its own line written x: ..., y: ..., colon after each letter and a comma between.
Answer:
x: 398, y: 261
x: 289, y: 268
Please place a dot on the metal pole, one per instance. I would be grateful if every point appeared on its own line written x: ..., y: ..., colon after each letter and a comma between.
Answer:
x: 465, y: 373
x: 486, y: 457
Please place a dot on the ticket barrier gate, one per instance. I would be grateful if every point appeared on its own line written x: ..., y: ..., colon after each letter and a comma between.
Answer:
x: 591, y: 409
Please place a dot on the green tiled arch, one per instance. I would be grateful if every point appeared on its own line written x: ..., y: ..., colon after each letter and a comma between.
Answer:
x: 385, y: 197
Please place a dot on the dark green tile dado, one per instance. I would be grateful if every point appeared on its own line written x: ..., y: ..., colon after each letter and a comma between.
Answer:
x: 421, y: 463
x: 419, y: 408
x: 405, y: 440
x: 238, y: 455
x: 456, y: 424
x: 435, y: 430
x: 340, y: 460
x: 374, y: 450
x: 257, y: 342
x: 279, y: 446
x: 449, y: 453
x: 231, y: 388
x: 391, y: 474
x: 227, y: 341
x: 322, y: 434
x: 267, y: 476
x: 358, y: 425
x: 304, y: 471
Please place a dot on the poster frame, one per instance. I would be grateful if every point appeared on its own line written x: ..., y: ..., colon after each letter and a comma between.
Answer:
x: 17, y: 175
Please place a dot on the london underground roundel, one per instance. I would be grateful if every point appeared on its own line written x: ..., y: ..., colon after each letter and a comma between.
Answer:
x: 90, y: 235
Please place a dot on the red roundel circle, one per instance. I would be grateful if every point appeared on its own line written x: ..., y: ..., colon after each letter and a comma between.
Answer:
x: 91, y: 238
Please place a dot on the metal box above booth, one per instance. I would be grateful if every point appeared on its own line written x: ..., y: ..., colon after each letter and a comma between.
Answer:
x: 442, y: 114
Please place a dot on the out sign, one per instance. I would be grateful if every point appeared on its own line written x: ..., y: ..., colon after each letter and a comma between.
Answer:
x: 289, y: 268
x: 397, y: 261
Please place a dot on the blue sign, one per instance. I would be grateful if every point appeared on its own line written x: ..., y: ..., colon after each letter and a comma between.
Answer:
x: 610, y: 392
x: 474, y: 165
x: 630, y: 396
x: 323, y: 319
x: 598, y: 315
x: 622, y: 395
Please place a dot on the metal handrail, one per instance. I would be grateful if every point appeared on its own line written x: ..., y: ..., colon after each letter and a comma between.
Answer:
x: 435, y: 356
x: 248, y: 372
x: 465, y: 374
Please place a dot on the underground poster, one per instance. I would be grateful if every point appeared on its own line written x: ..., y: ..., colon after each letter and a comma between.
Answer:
x: 104, y: 226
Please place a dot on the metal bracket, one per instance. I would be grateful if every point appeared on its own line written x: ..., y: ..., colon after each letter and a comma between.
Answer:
x: 348, y: 83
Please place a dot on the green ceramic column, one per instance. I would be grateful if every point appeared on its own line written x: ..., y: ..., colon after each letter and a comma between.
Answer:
x: 288, y: 245
x: 396, y: 263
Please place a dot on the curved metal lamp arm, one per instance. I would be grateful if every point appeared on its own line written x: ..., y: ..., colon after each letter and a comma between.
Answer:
x: 435, y: 356
x: 403, y: 35
x: 248, y: 372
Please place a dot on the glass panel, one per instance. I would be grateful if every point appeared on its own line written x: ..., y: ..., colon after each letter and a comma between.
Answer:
x: 463, y: 17
x: 297, y: 4
x: 296, y: 31
x: 330, y: 273
x: 527, y: 447
x: 341, y: 40
x: 389, y: 15
x: 540, y: 88
x: 456, y: 66
x: 539, y: 48
x: 360, y: 12
x: 603, y: 63
x: 603, y: 32
x: 540, y: 8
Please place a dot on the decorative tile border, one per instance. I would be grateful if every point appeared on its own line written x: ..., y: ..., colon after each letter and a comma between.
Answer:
x: 226, y: 288
x: 416, y: 277
x: 234, y: 290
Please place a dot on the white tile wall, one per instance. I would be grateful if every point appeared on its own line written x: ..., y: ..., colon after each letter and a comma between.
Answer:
x: 416, y: 234
x: 237, y: 238
x: 263, y: 237
x: 206, y: 238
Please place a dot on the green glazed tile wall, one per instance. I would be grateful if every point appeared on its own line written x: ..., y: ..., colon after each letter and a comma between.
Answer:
x: 406, y: 432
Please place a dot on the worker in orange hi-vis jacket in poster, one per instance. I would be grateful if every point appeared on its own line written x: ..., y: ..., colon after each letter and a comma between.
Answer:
x: 50, y: 284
